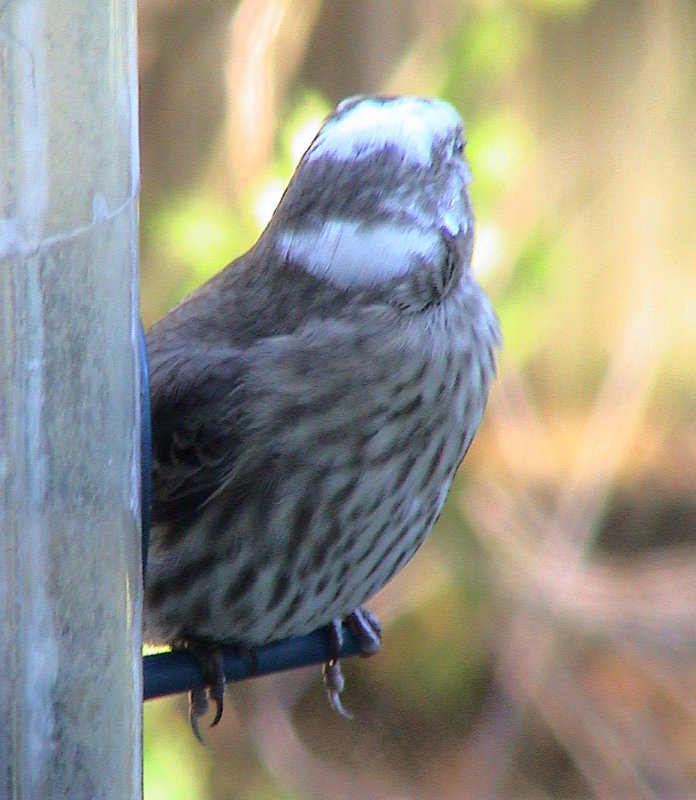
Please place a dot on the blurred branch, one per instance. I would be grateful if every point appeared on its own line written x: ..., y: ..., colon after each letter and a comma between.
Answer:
x: 295, y: 766
x: 267, y: 41
x: 558, y: 546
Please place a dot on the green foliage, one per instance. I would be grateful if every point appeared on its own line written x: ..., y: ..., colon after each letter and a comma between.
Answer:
x: 174, y: 770
x: 525, y: 306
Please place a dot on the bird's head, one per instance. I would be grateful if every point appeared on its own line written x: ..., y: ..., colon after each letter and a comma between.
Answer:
x: 380, y: 195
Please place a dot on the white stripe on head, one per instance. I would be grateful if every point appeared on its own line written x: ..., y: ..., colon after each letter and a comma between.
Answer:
x: 409, y: 124
x: 352, y: 255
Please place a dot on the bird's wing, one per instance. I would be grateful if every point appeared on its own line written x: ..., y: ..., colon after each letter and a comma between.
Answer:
x: 198, y: 423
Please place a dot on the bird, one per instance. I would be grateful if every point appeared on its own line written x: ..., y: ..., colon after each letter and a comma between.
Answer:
x: 312, y: 401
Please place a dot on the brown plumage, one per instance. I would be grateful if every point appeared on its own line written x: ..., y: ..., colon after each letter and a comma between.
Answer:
x: 312, y: 402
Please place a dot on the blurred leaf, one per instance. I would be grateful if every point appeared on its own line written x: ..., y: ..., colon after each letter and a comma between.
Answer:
x: 499, y: 145
x: 525, y: 307
x: 199, y: 232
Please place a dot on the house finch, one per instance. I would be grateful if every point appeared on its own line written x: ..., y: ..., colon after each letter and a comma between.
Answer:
x: 311, y: 403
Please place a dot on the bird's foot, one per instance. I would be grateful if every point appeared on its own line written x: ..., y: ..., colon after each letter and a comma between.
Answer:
x: 209, y: 657
x: 365, y: 626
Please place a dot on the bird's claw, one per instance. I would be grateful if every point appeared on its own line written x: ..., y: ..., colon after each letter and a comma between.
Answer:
x: 366, y: 628
x: 334, y: 683
x: 198, y: 707
x: 209, y: 657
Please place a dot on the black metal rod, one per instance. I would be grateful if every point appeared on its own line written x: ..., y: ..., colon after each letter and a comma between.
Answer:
x: 171, y: 673
x: 145, y: 448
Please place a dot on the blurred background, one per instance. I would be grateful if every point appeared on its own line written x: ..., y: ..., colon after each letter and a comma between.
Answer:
x: 541, y: 644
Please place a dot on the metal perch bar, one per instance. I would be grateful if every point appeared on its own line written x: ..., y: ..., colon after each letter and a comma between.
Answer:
x: 170, y: 673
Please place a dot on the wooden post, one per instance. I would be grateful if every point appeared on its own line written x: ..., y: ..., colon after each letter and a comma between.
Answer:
x: 70, y: 581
